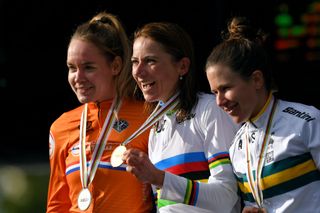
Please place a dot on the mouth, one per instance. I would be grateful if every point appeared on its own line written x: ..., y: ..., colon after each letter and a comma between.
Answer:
x: 230, y: 109
x: 83, y: 90
x: 147, y: 85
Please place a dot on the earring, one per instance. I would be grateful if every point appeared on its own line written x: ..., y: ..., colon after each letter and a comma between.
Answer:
x: 180, y: 77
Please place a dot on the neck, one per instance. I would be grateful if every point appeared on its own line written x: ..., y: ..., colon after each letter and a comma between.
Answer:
x: 261, y: 104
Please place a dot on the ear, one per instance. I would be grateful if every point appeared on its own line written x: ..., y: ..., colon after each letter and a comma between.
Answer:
x: 257, y: 79
x: 116, y: 65
x: 184, y: 65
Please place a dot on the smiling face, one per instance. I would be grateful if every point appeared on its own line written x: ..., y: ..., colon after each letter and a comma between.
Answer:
x: 90, y: 73
x: 155, y: 71
x: 237, y: 97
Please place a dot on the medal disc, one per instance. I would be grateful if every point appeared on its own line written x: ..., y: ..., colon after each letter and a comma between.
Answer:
x: 116, y: 156
x: 84, y: 199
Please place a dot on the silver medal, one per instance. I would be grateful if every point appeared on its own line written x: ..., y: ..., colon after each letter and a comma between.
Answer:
x: 84, y: 199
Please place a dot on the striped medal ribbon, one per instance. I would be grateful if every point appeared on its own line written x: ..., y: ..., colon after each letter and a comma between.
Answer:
x: 116, y: 156
x: 87, y: 174
x: 255, y: 185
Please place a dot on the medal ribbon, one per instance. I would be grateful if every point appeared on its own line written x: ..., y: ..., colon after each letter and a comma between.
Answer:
x: 255, y: 188
x: 154, y: 117
x: 83, y: 157
x: 87, y: 175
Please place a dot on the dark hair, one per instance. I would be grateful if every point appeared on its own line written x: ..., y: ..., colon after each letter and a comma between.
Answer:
x: 176, y: 42
x: 243, y: 51
x: 106, y: 32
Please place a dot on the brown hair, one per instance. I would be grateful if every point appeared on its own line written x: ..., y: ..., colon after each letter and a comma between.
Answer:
x: 106, y: 32
x: 178, y: 44
x: 243, y: 51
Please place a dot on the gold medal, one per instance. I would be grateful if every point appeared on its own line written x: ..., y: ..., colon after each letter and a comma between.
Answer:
x: 116, y: 156
x: 84, y: 199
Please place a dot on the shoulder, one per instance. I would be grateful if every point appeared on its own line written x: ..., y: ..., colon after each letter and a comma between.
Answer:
x: 206, y: 97
x: 208, y: 111
x: 206, y: 100
x: 61, y: 129
x: 67, y: 118
x: 132, y: 103
x: 133, y: 107
x: 207, y: 104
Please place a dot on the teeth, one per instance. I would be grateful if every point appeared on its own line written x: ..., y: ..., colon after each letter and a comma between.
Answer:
x: 229, y: 109
x: 146, y: 85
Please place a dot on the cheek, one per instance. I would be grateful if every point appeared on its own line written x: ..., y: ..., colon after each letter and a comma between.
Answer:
x: 133, y: 70
x: 168, y: 81
x: 133, y: 73
x: 71, y: 79
x: 246, y: 99
x: 211, y: 80
x: 135, y: 78
x: 211, y: 84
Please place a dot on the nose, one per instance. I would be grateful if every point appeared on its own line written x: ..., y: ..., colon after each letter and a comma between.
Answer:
x: 79, y: 75
x: 138, y: 69
x: 220, y: 99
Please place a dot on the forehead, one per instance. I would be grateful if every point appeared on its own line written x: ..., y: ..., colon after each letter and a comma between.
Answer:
x: 221, y: 71
x: 220, y: 75
x: 81, y: 50
x: 82, y: 47
x: 146, y: 45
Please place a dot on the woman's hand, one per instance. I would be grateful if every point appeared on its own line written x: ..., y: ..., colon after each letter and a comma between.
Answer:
x: 252, y: 209
x: 140, y: 166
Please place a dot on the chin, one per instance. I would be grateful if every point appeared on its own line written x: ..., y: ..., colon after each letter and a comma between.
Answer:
x: 150, y: 98
x: 237, y: 119
x: 83, y: 99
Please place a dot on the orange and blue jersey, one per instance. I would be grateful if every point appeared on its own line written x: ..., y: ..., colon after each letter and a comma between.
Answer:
x: 112, y: 189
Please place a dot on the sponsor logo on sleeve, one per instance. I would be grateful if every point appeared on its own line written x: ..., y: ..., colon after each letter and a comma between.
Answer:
x: 298, y: 114
x: 51, y: 145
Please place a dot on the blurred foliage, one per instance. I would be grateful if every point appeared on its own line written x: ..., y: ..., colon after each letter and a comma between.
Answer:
x: 23, y: 188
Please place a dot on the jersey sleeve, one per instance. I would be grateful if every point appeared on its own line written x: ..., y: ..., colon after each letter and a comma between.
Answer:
x: 58, y: 191
x: 312, y: 136
x: 219, y: 194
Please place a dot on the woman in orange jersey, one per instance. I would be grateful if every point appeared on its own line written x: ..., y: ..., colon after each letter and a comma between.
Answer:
x: 82, y: 140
